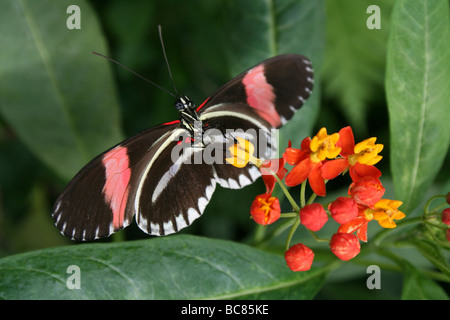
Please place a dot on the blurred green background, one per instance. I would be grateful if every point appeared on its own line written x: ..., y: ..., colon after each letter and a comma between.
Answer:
x: 204, y: 41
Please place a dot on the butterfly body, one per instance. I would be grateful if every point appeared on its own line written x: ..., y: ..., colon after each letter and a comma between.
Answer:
x: 166, y: 175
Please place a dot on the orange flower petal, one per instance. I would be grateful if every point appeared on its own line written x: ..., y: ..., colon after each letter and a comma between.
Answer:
x: 299, y: 173
x: 346, y: 141
x: 331, y: 169
x: 316, y: 181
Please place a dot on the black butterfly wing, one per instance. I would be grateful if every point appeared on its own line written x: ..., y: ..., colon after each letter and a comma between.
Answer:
x: 173, y: 187
x: 275, y: 89
x: 257, y: 101
x: 165, y: 181
x: 98, y: 200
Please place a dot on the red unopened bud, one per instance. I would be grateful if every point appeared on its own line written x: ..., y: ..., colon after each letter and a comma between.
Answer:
x: 313, y: 216
x: 447, y: 234
x: 343, y: 210
x: 345, y: 245
x: 265, y: 209
x: 448, y: 198
x: 299, y: 257
x: 446, y: 216
x: 366, y: 191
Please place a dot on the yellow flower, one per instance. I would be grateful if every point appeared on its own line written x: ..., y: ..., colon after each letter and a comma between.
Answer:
x: 242, y: 153
x: 324, y: 146
x: 366, y: 152
x: 386, y: 211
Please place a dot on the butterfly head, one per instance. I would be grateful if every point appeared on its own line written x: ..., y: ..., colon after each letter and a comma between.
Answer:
x: 184, y: 103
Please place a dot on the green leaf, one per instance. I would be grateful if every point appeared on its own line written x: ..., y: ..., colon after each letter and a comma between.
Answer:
x: 417, y: 286
x: 430, y: 250
x: 417, y: 83
x: 272, y: 28
x: 57, y: 96
x: 175, y: 267
x: 355, y: 57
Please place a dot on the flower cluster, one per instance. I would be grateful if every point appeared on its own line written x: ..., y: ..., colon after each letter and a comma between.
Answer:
x: 322, y: 158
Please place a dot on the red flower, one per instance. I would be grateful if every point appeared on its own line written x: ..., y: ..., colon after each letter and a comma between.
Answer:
x: 309, y: 158
x: 345, y: 245
x: 265, y: 209
x: 358, y: 159
x: 366, y: 191
x: 313, y: 216
x: 276, y: 166
x: 446, y: 216
x: 299, y: 257
x: 301, y: 159
x: 343, y: 210
x: 359, y: 224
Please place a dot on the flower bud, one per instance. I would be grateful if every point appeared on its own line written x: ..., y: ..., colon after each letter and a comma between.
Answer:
x: 366, y: 191
x: 446, y: 216
x: 299, y: 257
x: 265, y: 209
x: 313, y: 216
x: 345, y: 245
x: 343, y: 209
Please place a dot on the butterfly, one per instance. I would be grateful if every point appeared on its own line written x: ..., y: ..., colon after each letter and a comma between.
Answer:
x: 162, y: 176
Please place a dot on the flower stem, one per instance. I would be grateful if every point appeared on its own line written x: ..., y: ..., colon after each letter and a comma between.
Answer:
x: 291, y: 233
x: 302, y: 194
x: 313, y: 234
x: 288, y: 215
x: 285, y: 191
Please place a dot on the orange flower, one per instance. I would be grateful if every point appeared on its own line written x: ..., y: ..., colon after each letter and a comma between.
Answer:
x: 242, y: 154
x: 265, y: 209
x: 358, y: 159
x: 358, y: 224
x: 309, y: 158
x: 367, y: 191
x: 313, y: 216
x: 386, y: 211
x: 345, y: 246
x: 343, y: 210
x: 299, y: 257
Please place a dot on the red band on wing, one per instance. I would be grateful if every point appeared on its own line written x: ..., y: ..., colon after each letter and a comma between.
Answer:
x: 171, y: 122
x: 117, y: 176
x: 201, y: 106
x: 260, y: 95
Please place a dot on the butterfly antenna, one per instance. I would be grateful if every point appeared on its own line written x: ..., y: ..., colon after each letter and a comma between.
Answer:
x: 135, y: 73
x: 165, y: 58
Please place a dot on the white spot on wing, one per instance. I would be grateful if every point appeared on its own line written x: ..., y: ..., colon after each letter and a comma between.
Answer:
x: 244, y: 181
x: 202, y: 203
x: 233, y: 184
x: 210, y: 189
x: 254, y: 173
x: 181, y: 223
x: 168, y: 227
x: 223, y: 183
x: 57, y: 207
x: 192, y: 215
